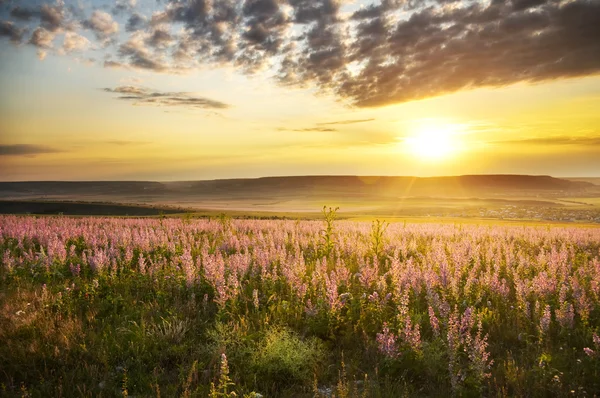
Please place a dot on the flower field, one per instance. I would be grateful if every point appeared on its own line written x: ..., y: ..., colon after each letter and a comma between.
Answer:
x: 188, y: 307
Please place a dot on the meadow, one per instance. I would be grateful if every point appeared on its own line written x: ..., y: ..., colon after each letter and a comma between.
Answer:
x: 225, y: 307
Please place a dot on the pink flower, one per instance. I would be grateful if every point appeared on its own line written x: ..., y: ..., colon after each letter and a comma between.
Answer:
x: 589, y: 352
x: 387, y: 342
x: 435, y: 324
x: 545, y: 320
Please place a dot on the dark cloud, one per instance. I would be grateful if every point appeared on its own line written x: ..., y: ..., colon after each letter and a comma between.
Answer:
x: 52, y: 17
x: 389, y: 51
x: 130, y: 90
x: 264, y: 27
x: 53, y: 20
x: 439, y: 50
x: 24, y: 13
x: 353, y: 121
x: 519, y: 5
x: 377, y: 10
x: 160, y: 38
x: 12, y: 32
x: 139, y: 56
x: 143, y: 96
x: 122, y: 7
x: 307, y: 11
x: 114, y: 64
x: 135, y: 22
x: 25, y: 150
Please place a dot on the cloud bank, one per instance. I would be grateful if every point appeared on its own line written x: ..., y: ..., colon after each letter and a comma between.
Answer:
x: 386, y: 52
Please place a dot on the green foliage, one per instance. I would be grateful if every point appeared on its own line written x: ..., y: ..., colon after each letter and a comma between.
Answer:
x: 225, y: 384
x: 224, y: 221
x: 282, y: 357
x: 377, y: 236
x: 327, y: 243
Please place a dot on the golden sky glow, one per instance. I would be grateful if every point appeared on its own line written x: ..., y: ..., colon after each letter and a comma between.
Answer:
x: 70, y: 118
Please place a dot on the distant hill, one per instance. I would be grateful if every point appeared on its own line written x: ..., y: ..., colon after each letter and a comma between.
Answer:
x: 300, y: 186
x: 390, y: 185
x: 593, y: 180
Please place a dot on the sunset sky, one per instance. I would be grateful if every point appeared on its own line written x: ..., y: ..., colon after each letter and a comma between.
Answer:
x: 201, y: 89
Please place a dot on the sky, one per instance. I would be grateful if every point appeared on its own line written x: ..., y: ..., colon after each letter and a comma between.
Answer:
x: 207, y: 89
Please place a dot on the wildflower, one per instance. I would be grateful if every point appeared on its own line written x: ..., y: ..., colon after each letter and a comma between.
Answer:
x: 387, y: 342
x: 142, y: 264
x: 332, y: 292
x: 435, y: 324
x: 187, y: 264
x: 478, y: 355
x: 412, y: 334
x: 345, y: 297
x: 75, y: 269
x: 310, y: 309
x: 565, y: 315
x: 545, y: 320
x: 8, y: 261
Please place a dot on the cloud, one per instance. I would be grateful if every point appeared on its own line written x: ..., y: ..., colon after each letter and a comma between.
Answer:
x: 102, y: 24
x: 134, y: 22
x: 74, y: 42
x: 53, y: 20
x: 143, y: 96
x: 52, y: 17
x: 442, y: 49
x: 160, y: 38
x: 139, y: 56
x: 42, y: 38
x: 12, y: 32
x: 319, y: 127
x: 387, y: 52
x: 114, y: 65
x: 25, y: 150
x: 123, y: 6
x: 346, y: 122
x: 591, y: 141
x: 309, y: 129
x: 24, y: 13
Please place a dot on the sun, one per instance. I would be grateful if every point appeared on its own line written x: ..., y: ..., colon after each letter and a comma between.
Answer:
x: 432, y: 140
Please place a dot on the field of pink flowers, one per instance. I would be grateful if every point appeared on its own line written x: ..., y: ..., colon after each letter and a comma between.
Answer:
x: 222, y: 308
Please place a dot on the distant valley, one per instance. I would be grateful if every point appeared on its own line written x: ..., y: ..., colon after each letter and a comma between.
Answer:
x: 471, y: 196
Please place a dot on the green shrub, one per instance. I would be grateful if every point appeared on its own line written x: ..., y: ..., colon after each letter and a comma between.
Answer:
x: 281, y: 356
